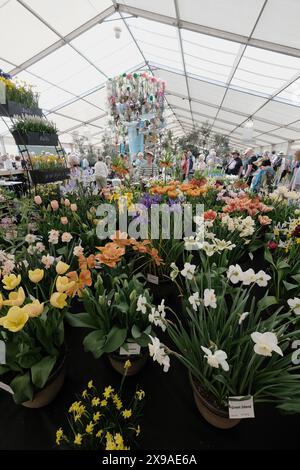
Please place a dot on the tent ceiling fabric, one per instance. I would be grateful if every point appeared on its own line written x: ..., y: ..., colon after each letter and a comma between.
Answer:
x: 217, y: 68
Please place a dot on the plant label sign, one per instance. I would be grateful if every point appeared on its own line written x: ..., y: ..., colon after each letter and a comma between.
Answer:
x: 241, y: 407
x: 153, y: 279
x: 132, y: 348
x: 2, y: 352
x: 6, y: 388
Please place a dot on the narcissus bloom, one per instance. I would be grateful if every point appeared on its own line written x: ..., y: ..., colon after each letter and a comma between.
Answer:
x: 210, y: 299
x: 265, y: 343
x: 216, y: 359
x: 294, y: 304
x: 58, y: 300
x: 36, y: 275
x: 188, y: 271
x: 11, y: 281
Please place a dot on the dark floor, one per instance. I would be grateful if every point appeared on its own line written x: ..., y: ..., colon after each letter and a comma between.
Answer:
x: 170, y: 421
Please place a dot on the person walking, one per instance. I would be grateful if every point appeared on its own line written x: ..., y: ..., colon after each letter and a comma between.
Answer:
x: 101, y: 173
x: 295, y: 181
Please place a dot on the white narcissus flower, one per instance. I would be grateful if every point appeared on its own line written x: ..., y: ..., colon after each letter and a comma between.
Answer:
x: 248, y: 277
x: 48, y: 261
x: 262, y: 278
x: 188, y: 271
x: 161, y: 307
x: 66, y: 237
x: 40, y: 247
x: 265, y: 343
x: 53, y: 237
x: 224, y: 245
x: 157, y: 318
x: 210, y: 299
x: 30, y: 238
x: 158, y: 353
x: 243, y: 316
x: 141, y: 304
x: 175, y: 271
x: 78, y: 250
x: 294, y: 304
x: 209, y: 249
x: 234, y: 273
x: 194, y: 300
x: 31, y: 249
x: 216, y: 359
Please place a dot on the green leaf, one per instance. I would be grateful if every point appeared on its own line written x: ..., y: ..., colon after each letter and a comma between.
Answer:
x: 22, y: 388
x: 81, y: 320
x: 282, y: 265
x: 27, y: 359
x: 135, y: 331
x: 269, y: 257
x: 94, y: 343
x: 41, y: 370
x: 266, y: 302
x: 289, y: 286
x: 296, y: 277
x: 143, y: 340
x: 115, y: 338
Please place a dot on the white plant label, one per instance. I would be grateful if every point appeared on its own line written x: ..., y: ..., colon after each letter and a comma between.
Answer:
x: 6, y: 388
x: 153, y: 279
x: 132, y: 348
x: 2, y: 93
x: 241, y: 407
x: 2, y: 352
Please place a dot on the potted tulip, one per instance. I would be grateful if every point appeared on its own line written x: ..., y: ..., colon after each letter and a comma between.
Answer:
x: 231, y: 352
x: 121, y: 318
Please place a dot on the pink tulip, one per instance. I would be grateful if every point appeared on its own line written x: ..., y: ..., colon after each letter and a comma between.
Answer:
x: 54, y: 204
x: 73, y: 207
x: 38, y: 200
x: 64, y: 220
x: 67, y: 203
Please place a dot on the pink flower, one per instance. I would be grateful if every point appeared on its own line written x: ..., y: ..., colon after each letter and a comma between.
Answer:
x: 67, y: 203
x: 54, y: 204
x: 64, y: 220
x: 78, y: 250
x: 53, y: 237
x: 73, y: 207
x: 48, y: 261
x: 272, y: 245
x: 66, y: 237
x: 264, y: 220
x: 38, y: 200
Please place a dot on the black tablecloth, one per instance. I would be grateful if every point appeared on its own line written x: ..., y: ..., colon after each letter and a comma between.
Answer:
x: 170, y: 420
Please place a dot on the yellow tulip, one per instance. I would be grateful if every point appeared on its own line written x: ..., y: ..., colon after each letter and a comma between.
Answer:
x: 58, y: 300
x: 63, y: 283
x: 11, y: 281
x: 36, y: 275
x: 34, y: 309
x: 15, y: 299
x: 62, y: 268
x: 15, y: 319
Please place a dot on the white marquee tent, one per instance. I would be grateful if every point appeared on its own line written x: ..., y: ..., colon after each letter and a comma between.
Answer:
x: 226, y: 61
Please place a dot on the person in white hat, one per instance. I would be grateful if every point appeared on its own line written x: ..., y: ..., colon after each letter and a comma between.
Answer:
x: 148, y: 169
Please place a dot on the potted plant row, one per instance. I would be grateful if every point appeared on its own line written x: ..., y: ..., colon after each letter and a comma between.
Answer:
x: 20, y: 98
x: 34, y: 130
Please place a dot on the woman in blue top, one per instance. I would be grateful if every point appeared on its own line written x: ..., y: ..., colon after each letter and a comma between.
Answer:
x: 258, y: 178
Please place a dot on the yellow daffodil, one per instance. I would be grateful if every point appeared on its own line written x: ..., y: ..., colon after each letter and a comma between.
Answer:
x: 58, y: 300
x: 99, y: 433
x: 95, y: 401
x: 15, y: 299
x: 11, y: 281
x: 59, y: 436
x: 137, y: 430
x: 117, y: 402
x: 140, y: 394
x: 126, y: 414
x: 63, y: 284
x: 34, y: 309
x: 1, y: 301
x: 90, y: 384
x: 84, y: 393
x: 15, y: 319
x: 96, y: 417
x: 90, y: 428
x: 127, y: 365
x: 78, y: 439
x: 62, y: 268
x: 103, y: 403
x: 108, y: 391
x: 36, y: 275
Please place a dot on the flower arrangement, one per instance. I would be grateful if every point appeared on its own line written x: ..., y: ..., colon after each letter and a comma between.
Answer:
x: 19, y: 91
x: 41, y: 162
x: 100, y: 421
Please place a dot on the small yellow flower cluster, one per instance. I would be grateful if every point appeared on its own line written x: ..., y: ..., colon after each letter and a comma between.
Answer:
x: 117, y: 401
x: 140, y: 394
x: 115, y: 442
x: 78, y: 409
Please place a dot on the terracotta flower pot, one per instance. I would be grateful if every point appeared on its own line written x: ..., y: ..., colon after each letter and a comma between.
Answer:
x: 51, y: 389
x: 137, y: 362
x: 215, y: 416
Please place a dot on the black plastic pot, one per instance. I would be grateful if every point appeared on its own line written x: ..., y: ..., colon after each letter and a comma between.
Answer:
x: 12, y: 108
x: 35, y: 138
x: 49, y: 175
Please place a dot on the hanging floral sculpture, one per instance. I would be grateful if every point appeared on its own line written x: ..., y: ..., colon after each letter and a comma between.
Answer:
x: 136, y: 100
